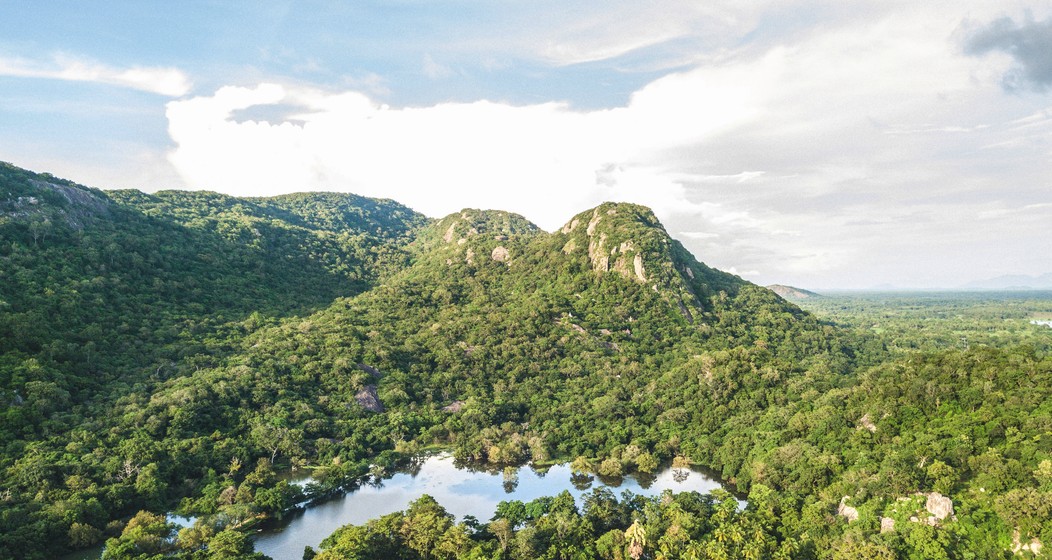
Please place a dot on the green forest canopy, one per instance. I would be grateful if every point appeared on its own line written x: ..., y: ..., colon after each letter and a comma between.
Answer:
x: 177, y: 350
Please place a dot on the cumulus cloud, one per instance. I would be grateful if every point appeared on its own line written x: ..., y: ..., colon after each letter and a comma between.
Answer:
x: 830, y: 153
x: 1029, y: 44
x: 546, y: 161
x: 164, y: 81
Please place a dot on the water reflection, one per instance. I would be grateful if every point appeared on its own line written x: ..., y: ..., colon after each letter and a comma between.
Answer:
x: 464, y: 491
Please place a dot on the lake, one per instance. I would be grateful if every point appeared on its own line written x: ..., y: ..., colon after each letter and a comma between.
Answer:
x: 460, y: 490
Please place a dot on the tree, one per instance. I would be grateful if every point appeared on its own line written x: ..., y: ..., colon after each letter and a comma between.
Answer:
x: 424, y: 525
x: 82, y: 535
x: 636, y: 536
x: 147, y: 534
x: 231, y: 545
x: 274, y: 436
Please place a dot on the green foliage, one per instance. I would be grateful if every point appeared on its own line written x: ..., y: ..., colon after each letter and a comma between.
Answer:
x: 178, y: 350
x: 672, y: 527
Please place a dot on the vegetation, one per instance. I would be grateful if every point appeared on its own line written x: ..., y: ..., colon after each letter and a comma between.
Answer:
x: 178, y: 351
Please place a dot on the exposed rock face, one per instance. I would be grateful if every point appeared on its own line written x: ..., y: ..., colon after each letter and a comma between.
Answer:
x: 369, y: 369
x: 867, y: 423
x: 593, y: 222
x: 939, y: 506
x: 685, y: 311
x: 1034, y: 546
x: 790, y: 293
x: 637, y: 263
x: 887, y: 525
x: 455, y: 406
x: 624, y: 257
x: 78, y: 197
x: 79, y: 206
x: 597, y: 253
x: 627, y: 240
x: 846, y: 511
x: 369, y: 400
x: 500, y: 253
x: 471, y: 226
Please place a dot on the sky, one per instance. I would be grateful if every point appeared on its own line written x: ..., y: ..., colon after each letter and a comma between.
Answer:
x: 821, y: 144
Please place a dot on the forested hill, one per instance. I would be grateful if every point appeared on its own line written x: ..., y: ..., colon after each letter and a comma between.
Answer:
x: 176, y: 351
x: 95, y: 286
x: 121, y: 310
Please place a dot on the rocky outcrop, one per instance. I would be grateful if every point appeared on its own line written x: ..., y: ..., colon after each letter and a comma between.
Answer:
x: 478, y: 228
x: 594, y: 222
x: 846, y: 511
x: 597, y: 253
x: 937, y: 509
x: 1034, y: 546
x: 620, y: 255
x: 53, y: 204
x: 368, y: 399
x: 627, y: 240
x: 887, y: 525
x: 500, y: 254
x: 866, y: 423
x: 454, y: 406
x: 939, y: 506
x: 790, y: 293
x: 369, y: 369
x: 637, y: 265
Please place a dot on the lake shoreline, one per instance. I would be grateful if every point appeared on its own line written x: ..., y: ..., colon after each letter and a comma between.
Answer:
x: 464, y: 488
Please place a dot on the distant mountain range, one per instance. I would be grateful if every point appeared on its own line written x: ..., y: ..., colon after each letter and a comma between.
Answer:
x: 1012, y: 282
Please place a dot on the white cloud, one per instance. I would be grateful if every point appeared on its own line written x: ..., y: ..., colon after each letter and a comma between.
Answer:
x: 869, y: 132
x: 585, y: 32
x: 698, y: 234
x: 164, y: 81
x: 544, y: 161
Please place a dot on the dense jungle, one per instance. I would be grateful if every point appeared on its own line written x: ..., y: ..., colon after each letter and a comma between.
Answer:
x: 180, y: 352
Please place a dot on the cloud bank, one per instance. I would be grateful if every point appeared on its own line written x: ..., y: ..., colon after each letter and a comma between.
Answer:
x: 545, y: 161
x: 874, y: 144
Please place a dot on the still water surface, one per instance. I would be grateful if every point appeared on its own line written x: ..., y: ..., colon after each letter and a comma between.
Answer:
x: 460, y: 490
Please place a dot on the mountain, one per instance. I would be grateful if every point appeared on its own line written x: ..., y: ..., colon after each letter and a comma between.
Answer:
x: 184, y: 328
x: 103, y: 290
x: 181, y: 351
x: 790, y: 293
x: 1012, y: 282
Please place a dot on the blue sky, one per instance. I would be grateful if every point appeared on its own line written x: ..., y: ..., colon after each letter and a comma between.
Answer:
x: 822, y: 144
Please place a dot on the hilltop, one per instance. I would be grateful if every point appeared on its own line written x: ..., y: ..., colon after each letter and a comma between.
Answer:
x: 176, y: 351
x: 792, y: 294
x: 122, y: 301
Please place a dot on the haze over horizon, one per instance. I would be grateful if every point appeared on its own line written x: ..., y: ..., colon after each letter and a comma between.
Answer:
x: 813, y: 144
